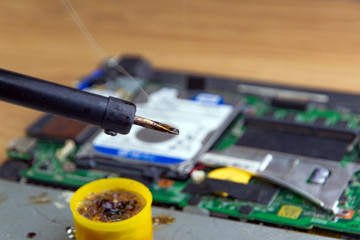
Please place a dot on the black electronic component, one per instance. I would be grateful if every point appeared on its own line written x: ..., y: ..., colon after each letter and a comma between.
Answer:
x: 194, y: 200
x: 290, y: 117
x: 341, y: 124
x: 269, y: 114
x: 246, y: 209
x: 196, y: 83
x: 245, y: 192
x: 142, y: 173
x: 10, y: 170
x: 60, y: 129
x: 45, y: 165
x: 296, y: 138
x: 320, y: 122
x: 54, y: 184
x: 219, y: 215
x: 296, y: 104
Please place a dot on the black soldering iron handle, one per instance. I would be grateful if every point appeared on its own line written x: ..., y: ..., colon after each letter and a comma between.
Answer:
x: 111, y: 114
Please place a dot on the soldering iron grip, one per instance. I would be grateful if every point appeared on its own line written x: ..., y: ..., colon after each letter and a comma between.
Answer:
x: 111, y: 114
x: 119, y: 115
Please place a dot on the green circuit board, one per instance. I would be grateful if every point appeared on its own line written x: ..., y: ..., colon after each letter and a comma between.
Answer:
x: 283, y: 208
x: 329, y: 117
x: 286, y: 209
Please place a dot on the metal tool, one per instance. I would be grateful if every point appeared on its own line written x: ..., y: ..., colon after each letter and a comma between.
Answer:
x: 112, y: 114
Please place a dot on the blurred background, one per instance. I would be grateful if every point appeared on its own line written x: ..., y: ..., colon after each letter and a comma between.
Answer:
x: 312, y: 43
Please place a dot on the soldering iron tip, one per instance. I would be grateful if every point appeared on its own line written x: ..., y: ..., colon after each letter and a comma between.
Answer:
x: 147, y: 123
x: 175, y: 131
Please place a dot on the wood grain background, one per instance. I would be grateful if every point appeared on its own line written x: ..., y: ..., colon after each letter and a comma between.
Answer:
x: 314, y: 43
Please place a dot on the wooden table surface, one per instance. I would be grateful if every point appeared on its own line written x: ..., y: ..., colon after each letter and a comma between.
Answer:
x: 313, y: 43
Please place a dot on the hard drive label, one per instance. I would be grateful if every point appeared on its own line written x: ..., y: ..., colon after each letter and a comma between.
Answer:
x: 195, y: 118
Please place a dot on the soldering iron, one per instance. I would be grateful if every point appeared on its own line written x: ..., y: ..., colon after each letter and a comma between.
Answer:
x: 112, y: 114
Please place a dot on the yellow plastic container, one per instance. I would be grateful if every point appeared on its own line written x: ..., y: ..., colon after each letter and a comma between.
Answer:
x: 138, y: 227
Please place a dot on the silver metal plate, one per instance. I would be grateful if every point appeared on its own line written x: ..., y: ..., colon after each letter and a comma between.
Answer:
x: 290, y: 171
x: 49, y: 218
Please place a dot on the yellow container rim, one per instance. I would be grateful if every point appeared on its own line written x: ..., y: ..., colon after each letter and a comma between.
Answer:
x: 109, y: 184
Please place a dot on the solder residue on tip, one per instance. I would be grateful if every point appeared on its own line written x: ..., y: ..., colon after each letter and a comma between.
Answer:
x: 151, y: 124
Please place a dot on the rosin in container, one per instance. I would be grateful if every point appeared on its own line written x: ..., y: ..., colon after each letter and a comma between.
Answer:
x: 112, y: 209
